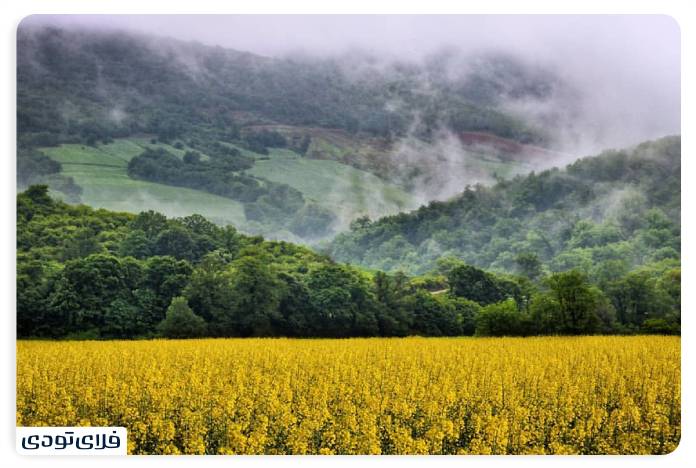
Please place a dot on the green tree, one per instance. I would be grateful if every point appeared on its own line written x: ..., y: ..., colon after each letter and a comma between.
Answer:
x: 166, y: 278
x: 500, y: 319
x: 122, y: 320
x: 181, y: 322
x: 84, y: 290
x: 294, y: 308
x: 81, y: 244
x: 33, y: 288
x: 479, y: 286
x: 210, y: 289
x: 544, y: 312
x: 390, y: 292
x: 341, y: 302
x: 432, y: 315
x: 175, y: 241
x: 255, y: 298
x: 529, y: 265
x: 150, y: 222
x: 577, y: 300
x: 637, y: 297
x: 465, y: 312
x: 136, y: 244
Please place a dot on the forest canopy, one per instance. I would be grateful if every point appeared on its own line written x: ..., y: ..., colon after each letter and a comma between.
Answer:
x: 602, y: 215
x: 86, y: 273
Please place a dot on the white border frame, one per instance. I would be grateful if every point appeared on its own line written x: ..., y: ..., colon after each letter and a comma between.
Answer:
x: 12, y: 14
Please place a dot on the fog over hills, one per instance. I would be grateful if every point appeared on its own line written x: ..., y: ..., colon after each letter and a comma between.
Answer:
x: 627, y: 66
x: 424, y: 105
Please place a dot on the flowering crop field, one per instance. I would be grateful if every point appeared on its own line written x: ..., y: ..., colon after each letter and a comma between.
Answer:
x: 554, y: 395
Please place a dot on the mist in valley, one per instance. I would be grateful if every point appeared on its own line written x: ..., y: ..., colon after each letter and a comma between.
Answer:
x: 571, y: 86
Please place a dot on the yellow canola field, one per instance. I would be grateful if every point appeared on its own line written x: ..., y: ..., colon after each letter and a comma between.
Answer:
x: 606, y: 395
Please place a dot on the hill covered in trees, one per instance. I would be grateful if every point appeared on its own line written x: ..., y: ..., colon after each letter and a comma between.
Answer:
x: 602, y: 215
x: 300, y: 148
x: 418, y: 126
x: 85, y: 273
x: 89, y: 85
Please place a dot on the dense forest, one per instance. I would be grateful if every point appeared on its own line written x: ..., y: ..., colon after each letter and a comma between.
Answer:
x: 85, y: 273
x: 603, y: 216
x: 88, y: 85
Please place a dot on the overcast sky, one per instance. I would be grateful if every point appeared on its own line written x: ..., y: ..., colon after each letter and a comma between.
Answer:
x: 639, y: 36
x: 629, y: 65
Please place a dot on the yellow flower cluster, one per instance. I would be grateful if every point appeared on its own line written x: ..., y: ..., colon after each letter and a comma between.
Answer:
x: 589, y: 395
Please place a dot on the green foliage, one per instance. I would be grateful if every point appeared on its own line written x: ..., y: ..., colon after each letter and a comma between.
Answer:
x: 215, y: 175
x: 81, y: 244
x: 341, y: 302
x: 529, y: 265
x: 265, y: 202
x: 135, y: 244
x: 430, y: 315
x: 92, y: 86
x: 618, y: 206
x: 87, y: 273
x: 181, y: 322
x: 479, y: 286
x: 500, y: 319
x: 313, y: 221
x: 209, y: 290
x: 32, y: 165
x: 260, y: 141
x: 255, y: 296
x: 576, y: 301
x: 648, y: 298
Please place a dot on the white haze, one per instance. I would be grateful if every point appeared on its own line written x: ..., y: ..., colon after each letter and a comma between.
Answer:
x: 626, y: 67
x: 619, y: 75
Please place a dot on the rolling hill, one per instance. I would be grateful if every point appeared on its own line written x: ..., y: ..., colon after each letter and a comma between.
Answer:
x: 620, y: 208
x: 101, y: 171
x: 354, y: 135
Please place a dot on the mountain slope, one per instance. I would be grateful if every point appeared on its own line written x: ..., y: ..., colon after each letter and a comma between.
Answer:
x: 102, y: 173
x: 79, y: 83
x: 621, y: 206
x: 424, y: 126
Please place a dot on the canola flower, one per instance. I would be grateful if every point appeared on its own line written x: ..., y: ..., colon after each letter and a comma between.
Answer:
x: 546, y: 395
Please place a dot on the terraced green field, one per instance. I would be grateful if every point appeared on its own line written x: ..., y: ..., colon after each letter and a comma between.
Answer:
x: 101, y: 172
x: 347, y: 191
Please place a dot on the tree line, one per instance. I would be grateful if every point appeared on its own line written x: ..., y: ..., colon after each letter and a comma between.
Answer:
x: 266, y: 202
x: 603, y: 215
x: 85, y: 273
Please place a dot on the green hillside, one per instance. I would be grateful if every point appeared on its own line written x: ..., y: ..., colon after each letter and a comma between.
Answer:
x: 601, y: 215
x: 308, y: 144
x: 101, y: 171
x: 412, y: 161
x: 346, y: 191
x: 85, y: 273
x: 88, y: 85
